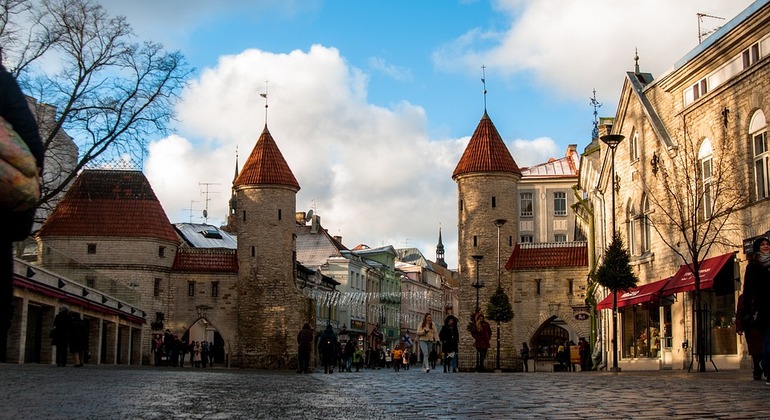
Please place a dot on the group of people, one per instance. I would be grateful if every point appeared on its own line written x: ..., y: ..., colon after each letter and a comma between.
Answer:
x: 169, y: 350
x: 565, y: 359
x: 69, y: 333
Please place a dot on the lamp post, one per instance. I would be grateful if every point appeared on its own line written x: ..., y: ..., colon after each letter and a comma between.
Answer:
x: 499, y: 223
x: 477, y: 286
x: 612, y: 141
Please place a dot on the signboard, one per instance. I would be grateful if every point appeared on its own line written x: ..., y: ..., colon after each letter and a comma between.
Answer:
x: 581, y: 313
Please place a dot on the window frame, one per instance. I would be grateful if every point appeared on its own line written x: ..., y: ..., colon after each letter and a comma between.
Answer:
x: 559, y: 197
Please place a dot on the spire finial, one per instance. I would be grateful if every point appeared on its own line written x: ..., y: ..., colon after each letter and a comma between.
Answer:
x: 236, y: 163
x: 596, y: 104
x: 264, y: 95
x: 636, y: 60
x: 484, y: 82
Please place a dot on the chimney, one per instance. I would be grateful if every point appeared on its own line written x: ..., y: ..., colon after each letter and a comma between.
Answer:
x: 338, y: 239
x: 315, y: 223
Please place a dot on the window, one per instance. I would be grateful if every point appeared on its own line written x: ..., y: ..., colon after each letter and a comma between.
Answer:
x: 190, y: 288
x: 279, y: 214
x: 634, y: 147
x: 560, y: 203
x: 758, y: 133
x: 699, y: 89
x: 494, y: 202
x: 475, y: 241
x: 91, y: 248
x: 706, y: 174
x: 750, y: 55
x: 646, y: 226
x: 641, y: 331
x: 525, y: 204
x: 214, y: 289
x: 570, y: 287
x: 527, y: 239
x: 560, y: 237
x: 461, y: 205
x: 162, y: 251
x: 537, y: 286
x: 253, y: 251
x: 156, y: 288
x: 91, y: 282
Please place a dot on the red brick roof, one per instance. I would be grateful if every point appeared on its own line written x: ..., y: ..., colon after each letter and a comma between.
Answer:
x: 116, y: 203
x: 266, y: 165
x: 486, y: 152
x: 548, y: 255
x: 206, y: 260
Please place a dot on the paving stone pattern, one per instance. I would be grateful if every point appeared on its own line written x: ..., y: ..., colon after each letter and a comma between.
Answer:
x: 101, y: 392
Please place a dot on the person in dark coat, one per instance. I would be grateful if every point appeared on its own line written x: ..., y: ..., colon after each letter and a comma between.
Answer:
x: 753, y: 336
x: 524, y: 354
x: 450, y: 338
x: 328, y: 347
x: 61, y: 334
x: 756, y: 297
x: 482, y: 333
x: 78, y: 339
x: 304, y: 347
x: 17, y: 225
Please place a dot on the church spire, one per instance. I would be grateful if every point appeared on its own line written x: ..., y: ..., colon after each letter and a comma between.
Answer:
x: 440, y: 250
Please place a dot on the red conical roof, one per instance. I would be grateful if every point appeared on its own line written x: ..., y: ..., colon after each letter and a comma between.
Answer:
x: 486, y: 152
x: 266, y: 165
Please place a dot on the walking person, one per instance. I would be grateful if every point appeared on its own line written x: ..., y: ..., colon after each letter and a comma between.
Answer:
x: 753, y: 336
x: 304, y: 347
x: 17, y: 224
x: 756, y: 298
x: 358, y: 358
x: 482, y: 333
x: 196, y: 353
x: 204, y: 353
x: 524, y: 353
x: 78, y: 339
x: 450, y: 339
x: 427, y: 336
x: 60, y: 334
x: 328, y: 348
x: 398, y: 355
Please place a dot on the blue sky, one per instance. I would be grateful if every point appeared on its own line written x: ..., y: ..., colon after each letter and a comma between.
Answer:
x: 372, y: 103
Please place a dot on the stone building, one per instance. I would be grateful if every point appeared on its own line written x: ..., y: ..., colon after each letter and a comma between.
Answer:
x: 703, y: 126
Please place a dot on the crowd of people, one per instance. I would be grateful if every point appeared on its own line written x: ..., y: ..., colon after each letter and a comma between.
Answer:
x: 169, y: 350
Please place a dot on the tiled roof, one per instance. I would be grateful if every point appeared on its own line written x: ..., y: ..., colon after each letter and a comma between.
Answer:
x: 118, y: 203
x: 266, y: 165
x: 548, y: 255
x: 554, y: 168
x: 218, y: 260
x: 486, y: 152
x: 315, y: 249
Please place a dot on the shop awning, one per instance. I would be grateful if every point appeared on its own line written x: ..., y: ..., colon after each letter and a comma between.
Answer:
x: 684, y: 281
x: 645, y: 293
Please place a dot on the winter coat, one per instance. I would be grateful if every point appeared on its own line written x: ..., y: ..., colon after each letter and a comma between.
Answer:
x: 756, y: 295
x: 753, y: 334
x: 328, y: 346
x: 450, y: 337
x: 481, y: 334
x: 305, y: 338
x: 61, y: 331
x: 427, y: 333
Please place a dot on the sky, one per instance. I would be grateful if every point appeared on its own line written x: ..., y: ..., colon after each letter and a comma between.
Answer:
x: 373, y: 102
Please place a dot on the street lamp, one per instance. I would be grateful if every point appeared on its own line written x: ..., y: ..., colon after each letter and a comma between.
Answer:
x: 499, y: 223
x: 612, y: 141
x: 478, y: 284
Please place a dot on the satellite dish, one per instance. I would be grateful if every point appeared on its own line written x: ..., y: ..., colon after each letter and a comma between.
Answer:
x: 309, y: 215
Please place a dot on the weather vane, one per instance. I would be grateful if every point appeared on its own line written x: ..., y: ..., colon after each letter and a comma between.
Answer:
x: 484, y: 82
x: 596, y: 104
x: 264, y: 95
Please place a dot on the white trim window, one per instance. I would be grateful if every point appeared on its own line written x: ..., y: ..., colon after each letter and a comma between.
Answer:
x: 525, y: 201
x: 646, y: 225
x: 705, y: 161
x: 758, y: 133
x: 634, y: 147
x: 631, y: 228
x: 560, y: 203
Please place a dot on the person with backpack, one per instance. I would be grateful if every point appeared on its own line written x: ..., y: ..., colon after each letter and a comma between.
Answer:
x: 328, y: 348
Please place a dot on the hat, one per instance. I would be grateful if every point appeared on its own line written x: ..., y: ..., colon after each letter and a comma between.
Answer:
x: 758, y: 242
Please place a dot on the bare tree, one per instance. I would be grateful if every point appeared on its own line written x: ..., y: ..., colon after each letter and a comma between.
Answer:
x: 86, y: 71
x: 694, y: 194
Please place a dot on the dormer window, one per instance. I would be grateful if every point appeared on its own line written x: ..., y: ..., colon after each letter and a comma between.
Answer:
x: 211, y: 234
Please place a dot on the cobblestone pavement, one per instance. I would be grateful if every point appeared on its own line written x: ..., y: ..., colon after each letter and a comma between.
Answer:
x: 109, y: 392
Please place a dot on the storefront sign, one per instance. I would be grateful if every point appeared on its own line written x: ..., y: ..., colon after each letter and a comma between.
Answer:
x: 581, y: 313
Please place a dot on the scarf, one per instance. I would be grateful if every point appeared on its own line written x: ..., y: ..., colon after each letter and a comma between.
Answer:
x: 763, y: 259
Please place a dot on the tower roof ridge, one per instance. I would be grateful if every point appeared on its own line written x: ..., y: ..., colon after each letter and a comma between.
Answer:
x: 266, y: 165
x: 486, y: 152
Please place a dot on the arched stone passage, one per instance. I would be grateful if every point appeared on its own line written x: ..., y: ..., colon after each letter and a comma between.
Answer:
x: 204, y: 330
x: 546, y: 339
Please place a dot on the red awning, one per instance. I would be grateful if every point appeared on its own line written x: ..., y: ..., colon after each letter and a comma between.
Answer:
x: 645, y: 293
x: 684, y: 281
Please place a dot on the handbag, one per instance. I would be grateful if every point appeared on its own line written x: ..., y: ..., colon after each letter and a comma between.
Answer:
x: 19, y: 175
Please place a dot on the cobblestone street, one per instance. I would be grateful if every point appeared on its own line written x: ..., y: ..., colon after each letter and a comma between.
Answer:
x: 101, y: 392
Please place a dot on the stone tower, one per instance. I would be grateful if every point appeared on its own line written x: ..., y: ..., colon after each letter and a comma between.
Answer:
x: 270, y: 308
x: 487, y: 180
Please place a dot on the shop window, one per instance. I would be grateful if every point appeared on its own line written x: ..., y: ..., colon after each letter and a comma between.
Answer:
x: 641, y: 331
x: 719, y: 304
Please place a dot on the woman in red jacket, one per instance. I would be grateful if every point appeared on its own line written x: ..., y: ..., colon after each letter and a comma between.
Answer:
x: 482, y: 333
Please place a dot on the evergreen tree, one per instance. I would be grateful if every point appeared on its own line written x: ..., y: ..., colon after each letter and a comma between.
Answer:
x: 615, y: 273
x: 499, y: 308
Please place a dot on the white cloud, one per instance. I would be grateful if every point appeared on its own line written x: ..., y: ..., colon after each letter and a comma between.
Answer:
x: 397, y: 73
x: 372, y: 173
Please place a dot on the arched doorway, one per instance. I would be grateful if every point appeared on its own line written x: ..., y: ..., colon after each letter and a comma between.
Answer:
x: 547, y: 339
x: 203, y: 330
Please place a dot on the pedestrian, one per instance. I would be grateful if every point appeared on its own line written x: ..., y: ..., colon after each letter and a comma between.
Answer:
x: 450, y: 339
x: 304, y: 347
x: 17, y: 224
x: 328, y: 348
x: 196, y: 351
x: 183, y: 349
x: 157, y: 348
x: 753, y: 335
x: 524, y: 353
x: 350, y: 348
x: 562, y: 357
x: 427, y: 336
x: 398, y: 356
x: 358, y: 358
x: 204, y: 353
x: 756, y: 298
x: 482, y: 333
x: 405, y: 358
x: 60, y: 334
x: 585, y: 354
x: 78, y: 338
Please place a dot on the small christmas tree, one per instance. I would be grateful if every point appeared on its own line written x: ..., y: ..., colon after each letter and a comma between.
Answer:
x: 499, y: 308
x: 615, y: 273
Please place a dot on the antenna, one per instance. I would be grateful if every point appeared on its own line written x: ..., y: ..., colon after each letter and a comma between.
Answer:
x: 191, y: 209
x: 264, y: 95
x: 701, y: 33
x: 596, y: 105
x: 484, y: 82
x: 206, y: 193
